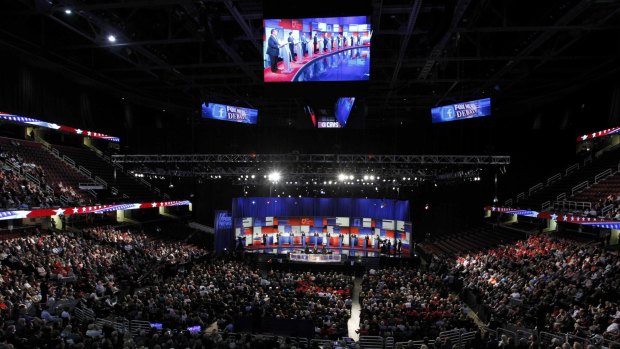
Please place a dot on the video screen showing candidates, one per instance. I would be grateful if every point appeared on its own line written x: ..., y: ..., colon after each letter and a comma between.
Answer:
x: 461, y: 111
x: 317, y: 49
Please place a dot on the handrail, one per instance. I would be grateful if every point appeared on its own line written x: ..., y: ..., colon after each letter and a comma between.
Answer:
x: 602, y: 175
x: 68, y: 160
x: 572, y: 168
x: 32, y: 179
x: 114, y: 191
x: 572, y: 205
x: 85, y: 171
x: 561, y: 197
x: 554, y: 178
x: 579, y: 187
x: 145, y: 183
x: 606, y: 209
x: 508, y: 203
x: 545, y: 205
x: 166, y: 196
x: 56, y: 152
x: 520, y: 196
x: 157, y: 191
x: 101, y: 181
x: 535, y: 188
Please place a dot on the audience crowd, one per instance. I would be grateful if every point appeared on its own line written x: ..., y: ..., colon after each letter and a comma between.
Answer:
x: 406, y: 304
x: 17, y: 191
x: 545, y: 283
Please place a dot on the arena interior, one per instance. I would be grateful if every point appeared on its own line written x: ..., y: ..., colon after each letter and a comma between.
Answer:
x: 373, y: 174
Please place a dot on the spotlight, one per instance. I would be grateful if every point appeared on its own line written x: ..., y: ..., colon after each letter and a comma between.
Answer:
x: 342, y: 177
x: 274, y: 176
x: 372, y: 178
x: 351, y: 177
x: 366, y: 177
x: 253, y: 176
x: 111, y: 38
x: 68, y: 11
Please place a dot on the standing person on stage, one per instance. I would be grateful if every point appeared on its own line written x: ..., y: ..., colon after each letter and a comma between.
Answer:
x: 304, y: 44
x: 334, y: 43
x: 389, y: 246
x: 291, y: 45
x: 399, y: 246
x: 359, y: 39
x: 325, y: 39
x: 273, y: 50
x: 316, y: 43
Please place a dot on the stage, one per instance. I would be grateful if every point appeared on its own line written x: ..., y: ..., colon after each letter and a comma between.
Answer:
x: 349, y: 63
x: 357, y: 251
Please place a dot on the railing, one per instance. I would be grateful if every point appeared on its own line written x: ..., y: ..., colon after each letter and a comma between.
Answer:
x: 520, y: 196
x: 166, y: 196
x: 56, y: 152
x: 545, y: 205
x: 546, y: 338
x: 554, y: 178
x: 579, y: 187
x: 101, y: 181
x: 85, y: 171
x: 157, y: 191
x: 84, y: 315
x: 120, y: 324
x: 571, y: 169
x: 572, y: 205
x: 389, y: 343
x: 535, y: 188
x: 371, y: 342
x: 561, y: 197
x: 599, y: 177
x: 68, y: 160
x: 64, y: 200
x: 92, y: 193
x: 32, y: 179
x: 416, y: 344
x: 508, y: 203
x: 145, y: 183
x: 125, y: 196
x: 606, y: 209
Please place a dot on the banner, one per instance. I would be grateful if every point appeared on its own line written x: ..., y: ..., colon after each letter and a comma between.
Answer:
x: 224, y: 236
x: 60, y: 128
x: 59, y: 211
x: 315, y: 258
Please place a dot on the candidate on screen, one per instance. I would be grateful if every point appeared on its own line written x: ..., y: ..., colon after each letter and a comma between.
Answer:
x: 461, y: 111
x: 317, y: 49
x: 342, y: 110
x: 229, y: 113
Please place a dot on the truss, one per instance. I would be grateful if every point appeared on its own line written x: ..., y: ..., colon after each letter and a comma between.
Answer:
x: 340, y: 159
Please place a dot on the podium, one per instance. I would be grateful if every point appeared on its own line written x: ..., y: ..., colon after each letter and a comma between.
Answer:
x: 320, y: 46
x: 308, y: 45
x: 286, y: 58
x: 298, y: 51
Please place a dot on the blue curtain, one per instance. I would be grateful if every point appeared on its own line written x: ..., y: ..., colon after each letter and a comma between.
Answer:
x: 320, y: 207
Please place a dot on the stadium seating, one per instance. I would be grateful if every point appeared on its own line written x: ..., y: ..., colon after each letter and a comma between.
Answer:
x: 132, y: 188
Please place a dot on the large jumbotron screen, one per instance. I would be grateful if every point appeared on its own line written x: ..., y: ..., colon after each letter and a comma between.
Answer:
x: 317, y: 49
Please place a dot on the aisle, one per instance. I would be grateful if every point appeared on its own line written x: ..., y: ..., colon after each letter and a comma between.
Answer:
x: 356, y: 309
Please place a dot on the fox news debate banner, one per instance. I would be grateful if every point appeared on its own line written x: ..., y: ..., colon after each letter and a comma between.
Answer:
x: 224, y: 234
x: 229, y: 113
x: 461, y: 111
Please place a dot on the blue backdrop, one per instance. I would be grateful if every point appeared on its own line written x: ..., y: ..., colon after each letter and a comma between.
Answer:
x: 315, y: 207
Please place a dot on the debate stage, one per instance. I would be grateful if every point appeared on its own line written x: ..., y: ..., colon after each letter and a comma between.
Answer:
x: 348, y: 63
x: 357, y: 251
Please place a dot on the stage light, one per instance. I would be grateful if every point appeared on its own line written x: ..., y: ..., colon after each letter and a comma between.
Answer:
x: 404, y: 178
x: 68, y: 11
x: 342, y: 177
x: 351, y: 177
x: 372, y: 178
x: 253, y: 176
x: 366, y: 177
x: 275, y: 176
x: 111, y: 38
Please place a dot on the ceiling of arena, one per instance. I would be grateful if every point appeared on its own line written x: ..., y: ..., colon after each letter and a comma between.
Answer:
x: 177, y: 53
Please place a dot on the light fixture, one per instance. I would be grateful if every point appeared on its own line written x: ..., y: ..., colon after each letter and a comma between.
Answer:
x: 68, y: 11
x: 111, y: 38
x: 274, y: 176
x: 342, y: 177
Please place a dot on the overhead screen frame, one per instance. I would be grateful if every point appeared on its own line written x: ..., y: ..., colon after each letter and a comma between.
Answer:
x: 274, y: 9
x: 467, y: 110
